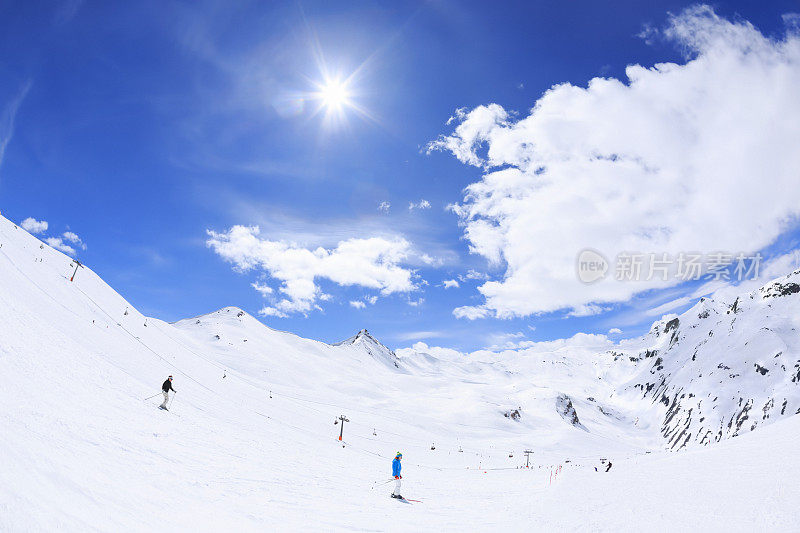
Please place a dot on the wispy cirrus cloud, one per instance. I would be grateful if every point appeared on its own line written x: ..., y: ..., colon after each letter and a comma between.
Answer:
x: 419, y: 335
x: 8, y: 117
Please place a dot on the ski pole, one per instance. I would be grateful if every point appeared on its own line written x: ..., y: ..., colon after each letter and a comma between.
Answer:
x: 153, y: 396
x: 173, y: 398
x: 376, y: 484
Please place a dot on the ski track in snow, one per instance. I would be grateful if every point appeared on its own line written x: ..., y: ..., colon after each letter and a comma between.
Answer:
x: 83, y: 452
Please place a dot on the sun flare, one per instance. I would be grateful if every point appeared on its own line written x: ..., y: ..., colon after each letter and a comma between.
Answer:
x: 334, y: 94
x: 336, y: 98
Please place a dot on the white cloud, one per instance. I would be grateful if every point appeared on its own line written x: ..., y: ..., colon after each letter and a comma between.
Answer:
x: 67, y: 242
x: 361, y: 304
x: 271, y: 311
x: 59, y: 244
x: 450, y: 284
x: 422, y: 204
x: 373, y: 263
x: 580, y: 345
x: 71, y: 237
x: 508, y: 341
x: 587, y: 310
x: 74, y: 239
x: 31, y: 225
x: 262, y: 288
x: 723, y: 291
x: 436, y: 351
x: 417, y: 302
x: 415, y: 335
x: 470, y: 312
x: 669, y: 306
x: 483, y: 311
x: 792, y: 21
x: 615, y: 331
x: 428, y: 259
x: 384, y: 207
x: 680, y: 157
x: 474, y: 128
x: 709, y: 287
x: 588, y: 343
x: 473, y: 274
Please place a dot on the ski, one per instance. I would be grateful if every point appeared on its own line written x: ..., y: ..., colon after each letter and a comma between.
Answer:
x: 406, y: 500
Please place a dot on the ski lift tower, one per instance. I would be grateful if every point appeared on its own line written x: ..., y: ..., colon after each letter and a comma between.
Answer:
x: 77, y: 265
x: 527, y: 458
x: 341, y: 428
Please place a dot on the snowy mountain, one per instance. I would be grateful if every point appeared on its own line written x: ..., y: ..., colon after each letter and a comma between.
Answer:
x: 250, y: 439
x: 372, y: 346
x: 719, y: 370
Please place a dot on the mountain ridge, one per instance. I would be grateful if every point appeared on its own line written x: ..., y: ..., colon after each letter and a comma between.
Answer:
x: 659, y: 380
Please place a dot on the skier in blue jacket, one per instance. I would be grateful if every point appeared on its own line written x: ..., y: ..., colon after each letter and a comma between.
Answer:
x: 396, y: 466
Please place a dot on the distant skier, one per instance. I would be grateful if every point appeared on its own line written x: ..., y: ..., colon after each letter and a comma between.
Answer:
x: 396, y: 466
x: 607, y: 468
x: 165, y: 388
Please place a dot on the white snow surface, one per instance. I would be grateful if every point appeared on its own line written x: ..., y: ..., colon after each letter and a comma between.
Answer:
x: 250, y: 442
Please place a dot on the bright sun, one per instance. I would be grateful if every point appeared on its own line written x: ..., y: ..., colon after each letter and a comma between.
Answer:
x: 336, y: 98
x: 334, y: 94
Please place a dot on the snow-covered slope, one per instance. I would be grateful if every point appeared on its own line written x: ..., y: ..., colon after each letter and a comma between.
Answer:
x: 250, y: 442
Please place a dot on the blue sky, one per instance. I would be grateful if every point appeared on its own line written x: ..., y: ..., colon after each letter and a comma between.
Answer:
x: 139, y: 126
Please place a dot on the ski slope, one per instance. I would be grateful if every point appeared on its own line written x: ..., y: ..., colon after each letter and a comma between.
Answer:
x: 250, y: 441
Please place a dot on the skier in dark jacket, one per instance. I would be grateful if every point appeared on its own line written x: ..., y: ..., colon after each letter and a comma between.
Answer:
x: 396, y: 466
x: 165, y: 388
